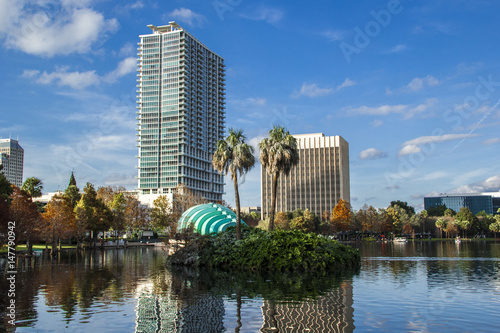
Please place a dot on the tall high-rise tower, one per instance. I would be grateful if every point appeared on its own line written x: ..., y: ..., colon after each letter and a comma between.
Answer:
x: 317, y: 183
x: 12, y: 159
x: 181, y: 108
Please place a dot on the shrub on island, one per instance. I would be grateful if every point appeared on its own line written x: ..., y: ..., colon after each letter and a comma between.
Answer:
x: 260, y: 250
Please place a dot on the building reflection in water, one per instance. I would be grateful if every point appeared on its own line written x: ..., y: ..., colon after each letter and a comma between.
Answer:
x: 332, y: 312
x: 161, y: 311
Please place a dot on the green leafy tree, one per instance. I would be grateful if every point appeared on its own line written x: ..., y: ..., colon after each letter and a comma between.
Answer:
x: 404, y: 205
x: 73, y: 194
x: 416, y: 221
x: 449, y: 212
x: 72, y: 180
x: 161, y: 215
x: 466, y: 220
x: 305, y: 223
x: 93, y: 211
x: 438, y: 210
x: 118, y: 207
x: 5, y: 186
x: 33, y: 186
x: 495, y: 226
x: 397, y: 217
x: 235, y: 156
x: 278, y: 154
x: 484, y: 221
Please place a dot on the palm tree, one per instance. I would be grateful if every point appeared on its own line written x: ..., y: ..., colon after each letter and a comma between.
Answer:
x: 33, y: 186
x: 278, y: 154
x: 234, y: 155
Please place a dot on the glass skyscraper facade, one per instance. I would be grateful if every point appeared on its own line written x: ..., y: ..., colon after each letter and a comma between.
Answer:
x: 476, y: 202
x: 181, y: 113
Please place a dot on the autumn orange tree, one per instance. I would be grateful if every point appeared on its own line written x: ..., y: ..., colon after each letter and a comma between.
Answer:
x: 136, y: 215
x: 341, y: 216
x: 26, y: 216
x: 59, y: 221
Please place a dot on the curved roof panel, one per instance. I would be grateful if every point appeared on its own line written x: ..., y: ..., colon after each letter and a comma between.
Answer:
x: 208, y: 218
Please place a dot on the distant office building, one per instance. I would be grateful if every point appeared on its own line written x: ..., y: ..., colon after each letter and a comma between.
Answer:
x: 248, y: 210
x: 181, y: 102
x: 317, y: 183
x: 476, y: 202
x: 12, y: 159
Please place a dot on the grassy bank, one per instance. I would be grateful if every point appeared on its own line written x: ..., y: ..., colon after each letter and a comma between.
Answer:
x: 4, y: 249
x: 260, y: 250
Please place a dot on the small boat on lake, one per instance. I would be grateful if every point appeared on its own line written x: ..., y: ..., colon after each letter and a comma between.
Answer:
x: 458, y: 240
x: 400, y: 240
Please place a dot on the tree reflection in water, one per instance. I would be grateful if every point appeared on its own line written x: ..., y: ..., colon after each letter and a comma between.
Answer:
x: 83, y: 285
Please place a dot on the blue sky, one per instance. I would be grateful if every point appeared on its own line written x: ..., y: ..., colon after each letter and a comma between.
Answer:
x: 413, y: 86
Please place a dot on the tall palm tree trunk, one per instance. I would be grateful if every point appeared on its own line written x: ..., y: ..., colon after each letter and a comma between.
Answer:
x: 273, y: 200
x: 237, y: 200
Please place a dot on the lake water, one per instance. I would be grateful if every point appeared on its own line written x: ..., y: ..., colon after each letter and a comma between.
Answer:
x: 412, y: 287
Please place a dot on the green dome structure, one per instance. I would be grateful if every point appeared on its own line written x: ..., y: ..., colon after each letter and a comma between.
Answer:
x: 208, y: 218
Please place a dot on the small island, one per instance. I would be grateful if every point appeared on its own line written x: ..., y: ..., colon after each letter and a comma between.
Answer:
x: 260, y: 250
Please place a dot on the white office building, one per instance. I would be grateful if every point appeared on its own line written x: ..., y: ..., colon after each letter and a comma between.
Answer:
x: 181, y: 113
x: 12, y: 159
x: 317, y: 182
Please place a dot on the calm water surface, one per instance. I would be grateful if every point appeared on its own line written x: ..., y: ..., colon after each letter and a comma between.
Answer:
x: 419, y: 287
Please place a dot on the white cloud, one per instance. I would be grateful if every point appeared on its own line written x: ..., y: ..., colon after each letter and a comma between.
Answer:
x: 75, y: 80
x: 127, y: 65
x: 185, y: 15
x: 250, y: 101
x: 372, y: 154
x: 72, y: 28
x: 80, y: 80
x: 125, y: 9
x: 376, y: 123
x: 313, y: 90
x: 491, y: 184
x: 438, y: 138
x: 127, y: 49
x: 435, y: 175
x: 334, y: 35
x: 413, y: 146
x: 270, y: 15
x: 409, y: 149
x: 396, y: 49
x: 491, y: 141
x: 419, y: 83
x: 421, y: 107
x: 347, y: 83
x: 382, y: 110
